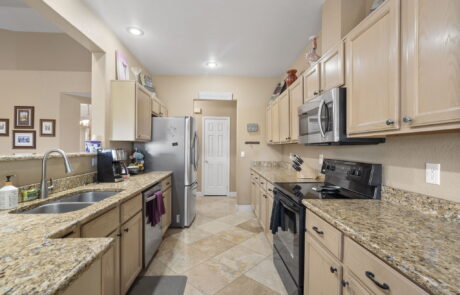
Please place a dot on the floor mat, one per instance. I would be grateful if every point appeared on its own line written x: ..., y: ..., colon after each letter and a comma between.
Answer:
x: 159, y: 285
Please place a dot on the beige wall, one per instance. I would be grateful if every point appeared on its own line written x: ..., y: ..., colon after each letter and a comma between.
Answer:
x: 219, y: 109
x: 178, y: 92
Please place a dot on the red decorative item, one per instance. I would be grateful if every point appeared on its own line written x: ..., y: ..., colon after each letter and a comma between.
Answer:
x: 291, y: 76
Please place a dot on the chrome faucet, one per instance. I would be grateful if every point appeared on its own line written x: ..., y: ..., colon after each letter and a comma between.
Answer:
x: 43, y: 183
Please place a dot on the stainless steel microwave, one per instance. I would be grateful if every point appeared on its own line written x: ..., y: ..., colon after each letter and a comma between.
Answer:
x: 322, y: 121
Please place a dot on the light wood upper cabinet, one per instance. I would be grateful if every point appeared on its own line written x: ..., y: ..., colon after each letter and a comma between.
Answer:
x: 275, y: 122
x: 284, y: 114
x: 311, y: 82
x: 131, y: 251
x: 268, y: 115
x: 156, y: 106
x: 431, y: 47
x: 131, y: 116
x: 163, y: 111
x: 333, y: 68
x: 373, y: 72
x: 296, y: 100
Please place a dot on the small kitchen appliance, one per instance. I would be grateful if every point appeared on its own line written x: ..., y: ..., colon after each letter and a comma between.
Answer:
x: 111, y: 165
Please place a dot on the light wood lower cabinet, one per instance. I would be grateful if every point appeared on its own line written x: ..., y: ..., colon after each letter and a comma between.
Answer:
x: 262, y: 201
x: 89, y: 283
x: 131, y: 251
x: 263, y: 209
x: 352, y: 286
x: 166, y: 218
x: 111, y: 268
x: 253, y: 194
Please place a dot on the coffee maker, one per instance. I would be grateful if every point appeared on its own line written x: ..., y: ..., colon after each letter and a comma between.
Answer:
x: 110, y: 165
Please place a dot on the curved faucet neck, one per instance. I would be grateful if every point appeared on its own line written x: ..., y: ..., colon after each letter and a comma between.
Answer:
x: 43, y: 183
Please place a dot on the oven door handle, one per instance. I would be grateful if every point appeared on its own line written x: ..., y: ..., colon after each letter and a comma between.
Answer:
x: 289, y: 206
x: 320, y: 109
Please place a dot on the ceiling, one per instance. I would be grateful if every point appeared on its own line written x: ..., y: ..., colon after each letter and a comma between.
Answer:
x: 15, y: 15
x: 245, y: 37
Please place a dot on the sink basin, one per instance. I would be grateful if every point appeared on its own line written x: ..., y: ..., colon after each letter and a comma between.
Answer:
x: 56, y: 208
x: 84, y: 197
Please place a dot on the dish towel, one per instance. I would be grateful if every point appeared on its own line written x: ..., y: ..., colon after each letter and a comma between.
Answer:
x: 159, y: 206
x: 277, y: 219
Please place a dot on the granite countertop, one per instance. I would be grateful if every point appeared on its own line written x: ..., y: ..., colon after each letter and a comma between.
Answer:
x: 281, y: 174
x: 35, y: 156
x: 424, y: 248
x: 34, y: 262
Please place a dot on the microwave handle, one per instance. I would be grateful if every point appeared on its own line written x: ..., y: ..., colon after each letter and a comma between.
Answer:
x: 320, y: 109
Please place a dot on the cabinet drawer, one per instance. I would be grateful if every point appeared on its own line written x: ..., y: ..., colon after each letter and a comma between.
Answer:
x: 130, y: 208
x: 376, y: 274
x: 328, y: 235
x: 101, y: 226
x: 165, y: 183
x: 263, y: 183
x: 270, y: 188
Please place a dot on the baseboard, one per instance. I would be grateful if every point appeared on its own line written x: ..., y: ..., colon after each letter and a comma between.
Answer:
x: 231, y: 194
x: 244, y: 208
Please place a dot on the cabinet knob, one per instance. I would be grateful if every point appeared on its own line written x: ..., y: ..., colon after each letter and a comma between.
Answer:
x: 126, y: 229
x: 345, y: 283
x: 315, y: 93
x: 333, y: 269
x: 407, y: 119
x: 389, y: 122
x: 118, y: 235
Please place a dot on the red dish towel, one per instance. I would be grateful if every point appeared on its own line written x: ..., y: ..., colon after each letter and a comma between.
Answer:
x: 159, y: 207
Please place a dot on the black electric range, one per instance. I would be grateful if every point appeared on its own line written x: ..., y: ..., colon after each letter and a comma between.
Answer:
x: 343, y: 180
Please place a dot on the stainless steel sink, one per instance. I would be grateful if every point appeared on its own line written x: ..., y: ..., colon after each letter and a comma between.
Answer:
x: 56, y: 208
x: 88, y: 197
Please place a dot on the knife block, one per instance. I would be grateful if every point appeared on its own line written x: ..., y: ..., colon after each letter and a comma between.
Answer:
x: 307, y: 172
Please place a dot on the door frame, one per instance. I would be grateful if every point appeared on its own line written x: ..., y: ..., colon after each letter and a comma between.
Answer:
x: 203, y: 148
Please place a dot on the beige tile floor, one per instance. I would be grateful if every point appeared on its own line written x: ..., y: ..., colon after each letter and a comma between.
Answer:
x: 224, y: 252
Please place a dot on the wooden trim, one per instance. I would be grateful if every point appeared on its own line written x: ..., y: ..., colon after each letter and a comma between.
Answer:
x: 53, y: 121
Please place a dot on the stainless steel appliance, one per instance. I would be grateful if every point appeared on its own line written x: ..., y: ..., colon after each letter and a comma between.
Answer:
x: 152, y: 234
x: 343, y: 180
x: 110, y: 165
x: 174, y: 147
x: 322, y: 121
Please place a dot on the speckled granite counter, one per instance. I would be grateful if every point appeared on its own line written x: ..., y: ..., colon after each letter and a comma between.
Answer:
x: 34, y: 263
x: 281, y: 174
x: 423, y: 248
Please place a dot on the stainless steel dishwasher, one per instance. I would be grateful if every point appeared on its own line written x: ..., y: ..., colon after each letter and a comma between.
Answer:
x: 152, y: 234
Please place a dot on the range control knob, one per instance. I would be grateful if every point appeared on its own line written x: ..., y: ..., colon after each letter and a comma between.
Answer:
x: 357, y: 173
x: 332, y: 168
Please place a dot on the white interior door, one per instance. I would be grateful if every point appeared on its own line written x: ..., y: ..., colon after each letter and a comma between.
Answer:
x: 216, y: 155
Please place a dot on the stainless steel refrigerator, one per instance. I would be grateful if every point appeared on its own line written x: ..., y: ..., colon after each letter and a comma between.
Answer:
x: 174, y: 147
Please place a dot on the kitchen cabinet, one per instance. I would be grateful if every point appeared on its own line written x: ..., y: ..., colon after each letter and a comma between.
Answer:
x: 268, y: 115
x: 373, y: 71
x: 323, y: 273
x: 163, y: 111
x: 101, y: 226
x: 110, y: 268
x: 263, y: 209
x: 296, y: 100
x: 284, y: 114
x: 269, y: 211
x: 131, y: 116
x: 352, y: 286
x: 166, y: 218
x: 332, y: 68
x: 131, y: 251
x: 311, y: 82
x: 156, y: 107
x: 130, y: 207
x: 253, y: 194
x: 88, y: 283
x: 275, y: 121
x: 338, y: 18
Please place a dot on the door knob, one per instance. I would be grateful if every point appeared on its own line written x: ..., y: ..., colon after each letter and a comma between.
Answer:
x: 389, y: 122
x: 407, y: 119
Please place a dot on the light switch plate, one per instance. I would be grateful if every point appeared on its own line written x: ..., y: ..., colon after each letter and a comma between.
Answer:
x: 433, y: 173
x: 243, y: 154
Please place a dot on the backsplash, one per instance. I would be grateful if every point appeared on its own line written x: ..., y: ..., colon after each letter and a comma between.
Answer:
x: 279, y: 164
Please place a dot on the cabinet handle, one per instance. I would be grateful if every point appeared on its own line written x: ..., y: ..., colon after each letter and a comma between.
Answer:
x: 262, y: 182
x: 371, y: 276
x: 167, y: 183
x: 333, y: 269
x: 319, y: 232
x: 345, y: 283
x: 118, y: 235
x: 126, y: 229
x: 270, y: 190
x: 407, y: 119
x: 315, y: 93
x: 389, y: 122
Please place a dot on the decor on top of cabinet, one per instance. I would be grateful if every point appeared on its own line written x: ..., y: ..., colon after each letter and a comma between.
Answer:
x: 24, y: 139
x: 24, y: 117
x: 312, y: 56
x: 376, y: 4
x: 291, y: 77
x: 122, y: 66
x: 4, y: 127
x: 147, y: 82
x: 279, y: 88
x: 48, y: 127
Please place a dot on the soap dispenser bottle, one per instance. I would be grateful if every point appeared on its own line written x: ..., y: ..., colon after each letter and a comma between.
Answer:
x: 9, y: 194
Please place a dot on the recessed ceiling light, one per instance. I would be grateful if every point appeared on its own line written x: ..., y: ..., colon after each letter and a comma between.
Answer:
x: 135, y: 31
x: 211, y: 64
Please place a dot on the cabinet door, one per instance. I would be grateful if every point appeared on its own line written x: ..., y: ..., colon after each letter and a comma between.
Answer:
x: 257, y: 201
x: 284, y: 114
x: 156, y: 107
x: 111, y: 267
x: 276, y: 122
x: 166, y: 218
x: 143, y: 115
x: 432, y: 56
x: 269, y: 124
x: 372, y: 77
x: 131, y: 251
x: 263, y: 209
x: 163, y: 111
x: 351, y: 286
x: 269, y: 211
x: 332, y: 68
x: 296, y: 100
x: 311, y: 83
x: 253, y: 194
x: 324, y: 273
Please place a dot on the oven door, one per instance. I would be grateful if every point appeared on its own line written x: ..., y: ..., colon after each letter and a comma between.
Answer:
x: 318, y: 119
x: 289, y: 241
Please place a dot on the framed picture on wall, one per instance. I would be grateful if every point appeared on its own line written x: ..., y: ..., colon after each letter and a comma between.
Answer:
x: 24, y: 117
x: 24, y: 139
x: 4, y: 127
x: 122, y: 66
x: 48, y: 127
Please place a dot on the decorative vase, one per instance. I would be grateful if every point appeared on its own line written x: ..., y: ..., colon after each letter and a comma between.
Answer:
x: 291, y: 76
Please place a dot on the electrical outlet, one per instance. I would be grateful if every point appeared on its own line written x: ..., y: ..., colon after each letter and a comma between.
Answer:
x: 433, y: 173
x: 290, y: 156
x: 243, y: 154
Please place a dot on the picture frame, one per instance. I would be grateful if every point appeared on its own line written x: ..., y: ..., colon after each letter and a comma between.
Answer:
x: 24, y: 139
x: 48, y: 127
x: 4, y: 127
x: 24, y: 117
x: 122, y: 66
